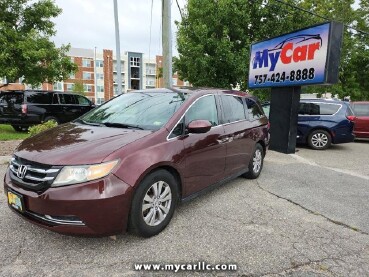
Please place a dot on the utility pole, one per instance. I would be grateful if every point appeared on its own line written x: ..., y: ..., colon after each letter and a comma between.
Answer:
x: 117, y: 44
x: 167, y: 43
x: 95, y: 80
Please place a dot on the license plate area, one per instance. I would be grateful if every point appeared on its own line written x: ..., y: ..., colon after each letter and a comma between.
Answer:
x: 16, y: 201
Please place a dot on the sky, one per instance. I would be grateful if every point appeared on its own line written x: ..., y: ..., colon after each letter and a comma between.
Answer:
x: 90, y: 23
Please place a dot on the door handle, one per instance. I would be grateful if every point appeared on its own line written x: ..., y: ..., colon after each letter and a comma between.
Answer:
x: 223, y: 140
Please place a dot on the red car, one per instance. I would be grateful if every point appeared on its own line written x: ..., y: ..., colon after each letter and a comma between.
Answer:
x: 361, y: 111
x: 129, y: 161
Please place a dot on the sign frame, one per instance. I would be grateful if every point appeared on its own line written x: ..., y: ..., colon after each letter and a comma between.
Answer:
x: 267, y: 78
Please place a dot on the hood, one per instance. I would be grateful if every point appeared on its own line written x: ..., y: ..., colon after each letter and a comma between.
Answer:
x: 73, y: 144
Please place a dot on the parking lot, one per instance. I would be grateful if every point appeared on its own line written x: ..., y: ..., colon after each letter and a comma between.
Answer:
x: 306, y: 215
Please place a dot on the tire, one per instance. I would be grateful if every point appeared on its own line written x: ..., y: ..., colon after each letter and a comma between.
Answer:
x: 256, y: 163
x: 19, y: 128
x: 146, y: 208
x: 51, y: 118
x: 319, y: 140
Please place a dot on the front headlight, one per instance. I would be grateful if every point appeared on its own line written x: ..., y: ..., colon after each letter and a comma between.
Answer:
x: 83, y: 173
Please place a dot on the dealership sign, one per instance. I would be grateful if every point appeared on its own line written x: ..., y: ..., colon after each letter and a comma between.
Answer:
x: 305, y: 57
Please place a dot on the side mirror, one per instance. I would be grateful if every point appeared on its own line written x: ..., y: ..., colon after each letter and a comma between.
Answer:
x: 199, y: 126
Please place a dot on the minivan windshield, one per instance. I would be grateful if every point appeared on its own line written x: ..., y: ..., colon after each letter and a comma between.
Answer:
x: 141, y: 110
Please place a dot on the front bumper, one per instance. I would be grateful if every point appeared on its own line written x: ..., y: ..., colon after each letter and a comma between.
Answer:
x: 96, y: 208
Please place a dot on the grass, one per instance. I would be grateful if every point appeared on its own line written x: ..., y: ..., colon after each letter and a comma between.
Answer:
x: 8, y: 133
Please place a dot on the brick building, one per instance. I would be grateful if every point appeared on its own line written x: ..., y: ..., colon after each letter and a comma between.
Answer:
x: 97, y: 72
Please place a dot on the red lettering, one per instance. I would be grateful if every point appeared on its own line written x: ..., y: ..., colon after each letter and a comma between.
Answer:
x: 312, y: 48
x: 299, y: 53
x: 284, y: 58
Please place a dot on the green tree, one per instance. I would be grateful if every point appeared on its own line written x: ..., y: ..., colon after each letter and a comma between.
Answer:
x: 79, y: 88
x: 25, y: 47
x: 214, y: 38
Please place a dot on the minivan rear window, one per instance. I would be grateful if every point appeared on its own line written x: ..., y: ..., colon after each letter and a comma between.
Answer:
x: 361, y: 109
x: 318, y: 108
x: 254, y: 110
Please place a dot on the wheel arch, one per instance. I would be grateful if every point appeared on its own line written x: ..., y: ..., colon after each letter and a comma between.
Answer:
x: 318, y: 128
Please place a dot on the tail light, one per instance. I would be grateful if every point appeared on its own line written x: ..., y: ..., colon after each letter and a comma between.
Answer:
x: 24, y: 108
x: 351, y: 117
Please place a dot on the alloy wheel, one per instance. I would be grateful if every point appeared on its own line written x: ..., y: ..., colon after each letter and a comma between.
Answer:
x: 257, y: 160
x: 156, y: 203
x: 319, y: 140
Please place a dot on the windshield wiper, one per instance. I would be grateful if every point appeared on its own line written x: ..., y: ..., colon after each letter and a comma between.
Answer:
x: 122, y: 125
x: 88, y: 122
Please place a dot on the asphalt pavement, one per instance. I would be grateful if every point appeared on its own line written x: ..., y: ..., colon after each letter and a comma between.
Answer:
x: 304, y: 216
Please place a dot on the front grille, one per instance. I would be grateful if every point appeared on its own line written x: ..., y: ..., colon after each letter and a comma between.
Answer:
x: 31, y: 175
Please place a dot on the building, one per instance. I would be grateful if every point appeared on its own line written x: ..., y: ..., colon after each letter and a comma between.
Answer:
x: 97, y: 74
x: 99, y: 69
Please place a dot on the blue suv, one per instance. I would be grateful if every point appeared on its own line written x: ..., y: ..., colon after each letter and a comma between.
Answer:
x: 322, y: 122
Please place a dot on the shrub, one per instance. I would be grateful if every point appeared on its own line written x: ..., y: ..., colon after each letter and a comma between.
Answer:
x: 34, y: 130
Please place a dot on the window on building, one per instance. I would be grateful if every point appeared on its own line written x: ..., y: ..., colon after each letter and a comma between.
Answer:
x: 72, y: 59
x: 174, y: 81
x: 100, y: 88
x: 87, y: 75
x: 70, y: 87
x: 100, y: 101
x: 87, y: 88
x: 72, y: 76
x: 135, y: 61
x: 86, y: 62
x: 99, y: 63
x: 58, y: 86
x: 99, y: 76
x: 115, y: 90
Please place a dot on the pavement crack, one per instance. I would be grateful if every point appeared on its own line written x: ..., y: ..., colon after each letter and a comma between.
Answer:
x: 313, y: 212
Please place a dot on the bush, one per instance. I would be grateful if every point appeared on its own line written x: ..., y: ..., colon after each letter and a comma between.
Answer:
x: 34, y: 130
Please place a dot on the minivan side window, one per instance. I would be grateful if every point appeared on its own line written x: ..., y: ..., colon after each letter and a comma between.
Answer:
x: 55, y: 99
x: 318, y: 108
x: 178, y: 130
x: 82, y: 100
x: 233, y: 108
x: 254, y: 110
x: 67, y: 99
x: 361, y: 109
x: 11, y: 99
x: 39, y: 98
x: 204, y: 108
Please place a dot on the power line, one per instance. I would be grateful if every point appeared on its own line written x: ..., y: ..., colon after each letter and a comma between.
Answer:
x: 317, y: 15
x: 179, y: 8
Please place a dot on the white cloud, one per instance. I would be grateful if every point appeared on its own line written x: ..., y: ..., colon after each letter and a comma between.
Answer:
x: 90, y: 23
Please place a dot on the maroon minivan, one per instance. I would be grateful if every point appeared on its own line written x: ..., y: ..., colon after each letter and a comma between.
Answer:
x: 127, y: 163
x: 361, y: 118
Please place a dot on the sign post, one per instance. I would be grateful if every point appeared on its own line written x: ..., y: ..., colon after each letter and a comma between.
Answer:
x: 287, y: 62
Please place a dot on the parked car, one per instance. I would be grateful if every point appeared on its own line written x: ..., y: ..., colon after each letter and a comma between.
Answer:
x: 361, y: 112
x: 129, y: 161
x: 23, y: 109
x: 323, y: 122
